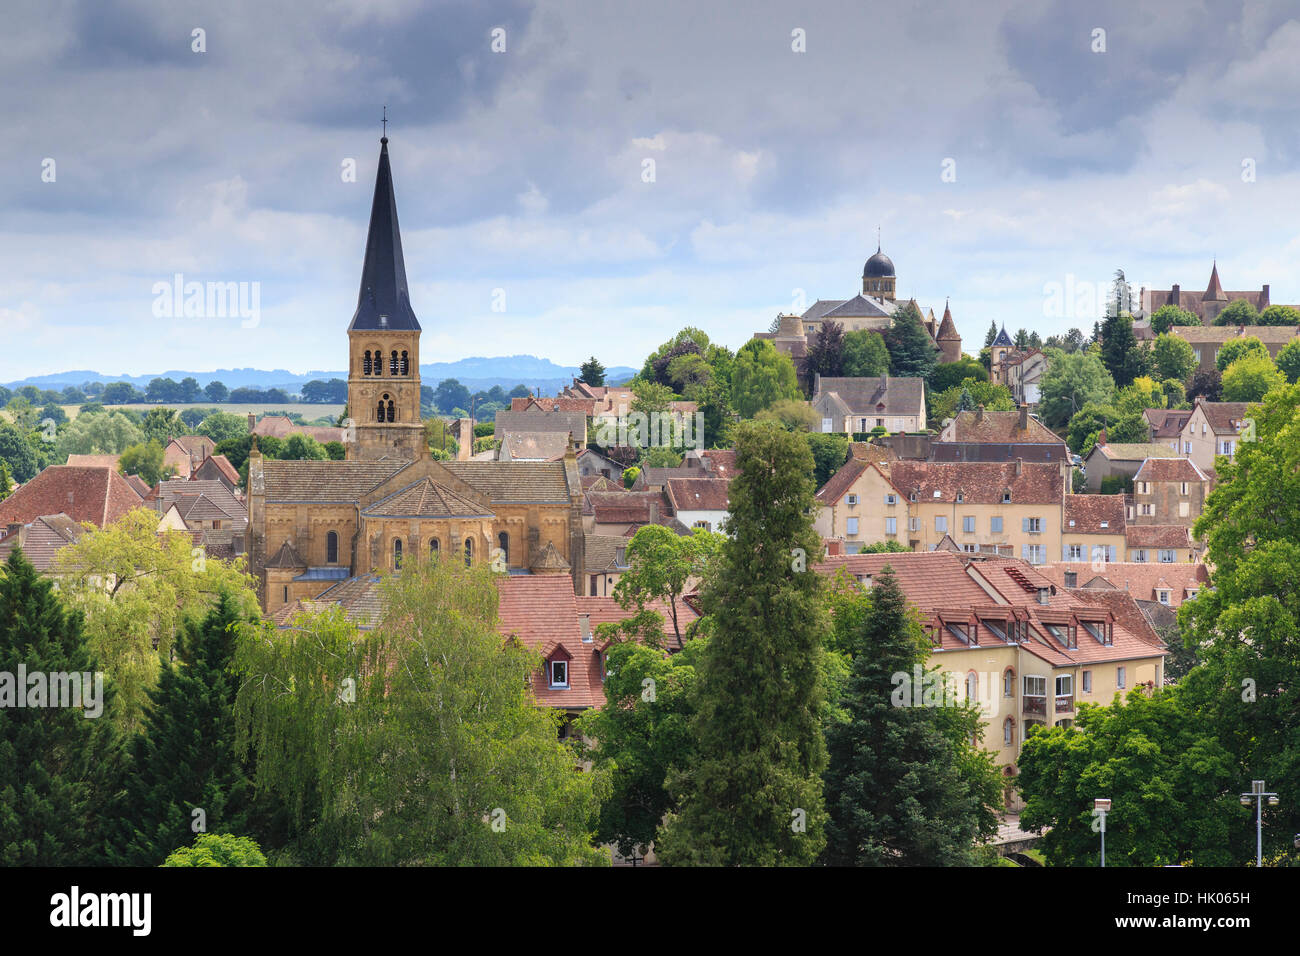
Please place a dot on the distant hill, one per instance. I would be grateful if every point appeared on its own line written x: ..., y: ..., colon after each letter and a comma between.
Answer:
x: 474, y: 373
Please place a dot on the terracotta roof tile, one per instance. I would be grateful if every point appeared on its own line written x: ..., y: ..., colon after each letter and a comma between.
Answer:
x: 1158, y: 536
x: 98, y: 495
x: 1137, y: 578
x: 698, y: 494
x: 1170, y: 469
x: 979, y: 482
x: 1084, y: 514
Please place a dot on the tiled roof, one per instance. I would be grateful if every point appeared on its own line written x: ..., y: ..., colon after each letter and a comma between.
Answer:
x: 1218, y: 334
x: 278, y: 426
x: 1138, y: 578
x: 979, y: 482
x: 900, y: 396
x: 217, y: 464
x: 860, y: 306
x: 1084, y: 514
x: 548, y: 559
x: 1158, y: 536
x: 139, y: 484
x: 97, y: 495
x: 587, y: 406
x: 94, y: 461
x: 997, y: 427
x: 870, y: 451
x: 820, y: 308
x: 221, y: 502
x: 535, y: 446
x: 627, y: 506
x: 721, y: 462
x: 324, y: 480
x: 359, y: 597
x: 287, y: 558
x: 601, y: 552
x: 1166, y: 422
x: 840, y: 482
x: 200, y: 446
x: 539, y: 421
x: 1135, y: 451
x: 542, y: 613
x: 1224, y: 417
x: 929, y: 578
x: 1170, y: 469
x: 507, y: 482
x: 698, y: 494
x: 425, y: 498
x: 41, y: 539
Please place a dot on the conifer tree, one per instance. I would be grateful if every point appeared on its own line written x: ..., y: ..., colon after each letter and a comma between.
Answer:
x: 904, y: 784
x: 59, y: 765
x: 184, y: 758
x: 752, y: 795
x: 912, y: 352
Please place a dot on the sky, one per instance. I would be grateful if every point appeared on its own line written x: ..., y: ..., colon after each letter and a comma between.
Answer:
x: 1000, y: 152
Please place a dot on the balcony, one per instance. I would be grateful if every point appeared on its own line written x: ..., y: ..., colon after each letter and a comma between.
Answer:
x: 1034, y: 705
x: 1065, y: 704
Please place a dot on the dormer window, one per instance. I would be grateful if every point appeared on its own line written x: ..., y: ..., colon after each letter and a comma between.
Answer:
x: 1098, y: 630
x: 1006, y: 497
x: 960, y: 497
x: 559, y: 676
x: 1105, y: 524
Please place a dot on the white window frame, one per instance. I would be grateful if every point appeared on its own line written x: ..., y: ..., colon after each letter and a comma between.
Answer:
x: 1121, y: 677
x: 851, y: 527
x: 1087, y: 682
x: 556, y: 684
x: 891, y: 526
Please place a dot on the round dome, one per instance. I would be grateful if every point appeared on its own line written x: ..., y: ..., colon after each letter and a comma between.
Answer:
x: 878, y: 266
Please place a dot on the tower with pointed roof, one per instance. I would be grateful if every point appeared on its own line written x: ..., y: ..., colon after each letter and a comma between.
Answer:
x: 948, y: 339
x: 384, y: 342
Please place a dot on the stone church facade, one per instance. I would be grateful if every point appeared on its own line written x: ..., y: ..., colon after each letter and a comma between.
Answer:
x: 315, y: 523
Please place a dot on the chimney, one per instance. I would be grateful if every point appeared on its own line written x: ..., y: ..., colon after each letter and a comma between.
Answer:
x: 817, y: 382
x: 1175, y: 298
x: 252, y: 422
x: 584, y: 624
x: 979, y: 413
x: 834, y: 547
x: 654, y: 511
x: 465, y: 448
x: 1024, y: 417
x: 1044, y: 595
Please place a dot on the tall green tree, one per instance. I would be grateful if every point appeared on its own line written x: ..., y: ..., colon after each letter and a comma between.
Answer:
x: 60, y: 766
x: 161, y: 425
x: 1071, y: 382
x: 1246, y: 629
x: 1170, y: 783
x: 1173, y: 357
x: 1288, y: 361
x: 1280, y: 315
x: 1237, y: 312
x: 419, y: 742
x: 1234, y: 349
x: 904, y: 784
x: 1250, y: 378
x: 761, y: 376
x: 825, y: 355
x: 660, y: 565
x: 912, y: 352
x: 865, y: 355
x: 642, y: 735
x: 184, y: 758
x: 1119, y: 349
x: 592, y: 372
x: 1167, y: 316
x: 753, y: 794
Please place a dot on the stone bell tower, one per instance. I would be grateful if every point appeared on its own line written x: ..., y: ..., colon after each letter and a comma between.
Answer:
x: 384, y: 342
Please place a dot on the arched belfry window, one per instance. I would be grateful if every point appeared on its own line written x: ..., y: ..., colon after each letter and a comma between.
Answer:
x: 434, y: 546
x: 469, y: 551
x: 332, y: 548
x: 392, y: 368
x: 406, y: 367
x: 365, y: 364
x: 392, y: 415
x: 397, y: 552
x: 379, y: 412
x: 503, y: 542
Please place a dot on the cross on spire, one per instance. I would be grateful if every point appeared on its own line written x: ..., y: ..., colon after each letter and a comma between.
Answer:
x: 385, y: 121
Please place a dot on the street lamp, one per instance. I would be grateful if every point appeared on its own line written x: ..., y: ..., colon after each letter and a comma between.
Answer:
x: 1258, y: 793
x: 1100, y: 808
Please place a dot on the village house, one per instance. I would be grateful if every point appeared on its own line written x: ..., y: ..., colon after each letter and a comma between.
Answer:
x: 1120, y: 459
x: 1206, y: 341
x: 1010, y: 639
x: 1213, y: 429
x: 857, y: 405
x: 1165, y: 426
x: 1159, y: 543
x: 1008, y: 508
x: 981, y: 435
x: 1093, y: 528
x: 1168, y: 491
x: 1204, y: 305
x: 1166, y: 584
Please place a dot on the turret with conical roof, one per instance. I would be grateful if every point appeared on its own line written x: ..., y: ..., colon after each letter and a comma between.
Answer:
x: 1214, y: 291
x: 948, y: 339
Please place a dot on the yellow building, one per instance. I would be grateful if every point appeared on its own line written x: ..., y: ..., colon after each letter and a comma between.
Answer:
x: 1009, y: 508
x: 1027, y: 651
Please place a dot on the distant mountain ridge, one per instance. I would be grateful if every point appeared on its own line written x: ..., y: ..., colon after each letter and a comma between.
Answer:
x: 474, y: 373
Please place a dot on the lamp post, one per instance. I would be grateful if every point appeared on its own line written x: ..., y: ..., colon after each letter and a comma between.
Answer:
x: 1258, y: 793
x: 1100, y: 808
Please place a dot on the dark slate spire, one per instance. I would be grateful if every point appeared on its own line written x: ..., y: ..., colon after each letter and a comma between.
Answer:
x: 1003, y: 338
x: 385, y: 301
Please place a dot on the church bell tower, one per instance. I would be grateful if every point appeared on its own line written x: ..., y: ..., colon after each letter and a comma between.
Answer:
x: 384, y: 342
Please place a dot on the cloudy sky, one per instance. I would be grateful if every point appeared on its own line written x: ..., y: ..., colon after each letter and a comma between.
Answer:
x: 524, y: 171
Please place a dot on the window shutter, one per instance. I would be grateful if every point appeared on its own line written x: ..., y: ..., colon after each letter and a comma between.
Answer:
x: 1110, y: 552
x: 1024, y: 524
x: 1024, y: 551
x: 1065, y: 552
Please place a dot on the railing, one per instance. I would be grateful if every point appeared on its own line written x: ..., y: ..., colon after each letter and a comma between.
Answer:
x: 1034, y: 705
x: 1065, y: 704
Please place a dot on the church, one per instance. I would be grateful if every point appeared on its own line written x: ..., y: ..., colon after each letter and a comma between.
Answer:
x: 313, y: 524
x: 873, y: 308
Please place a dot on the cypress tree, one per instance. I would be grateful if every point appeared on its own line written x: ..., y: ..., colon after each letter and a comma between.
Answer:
x: 752, y: 794
x: 184, y: 759
x: 904, y: 785
x: 59, y: 765
x: 912, y: 352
